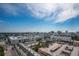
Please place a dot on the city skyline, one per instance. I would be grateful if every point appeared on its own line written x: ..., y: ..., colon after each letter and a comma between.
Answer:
x: 39, y: 17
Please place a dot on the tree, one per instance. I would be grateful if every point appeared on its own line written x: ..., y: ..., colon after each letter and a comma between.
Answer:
x: 39, y: 39
x: 39, y: 45
x: 75, y: 38
x: 1, y: 51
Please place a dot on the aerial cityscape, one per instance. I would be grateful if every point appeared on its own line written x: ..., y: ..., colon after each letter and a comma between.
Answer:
x: 39, y: 29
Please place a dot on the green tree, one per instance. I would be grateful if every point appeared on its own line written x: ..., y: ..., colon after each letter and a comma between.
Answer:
x: 75, y: 38
x: 39, y: 45
x: 1, y: 51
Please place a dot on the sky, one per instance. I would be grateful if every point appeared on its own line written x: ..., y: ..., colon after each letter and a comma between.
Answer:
x: 39, y: 17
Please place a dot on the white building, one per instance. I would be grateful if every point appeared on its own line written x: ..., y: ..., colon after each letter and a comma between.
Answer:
x: 62, y: 37
x: 15, y: 40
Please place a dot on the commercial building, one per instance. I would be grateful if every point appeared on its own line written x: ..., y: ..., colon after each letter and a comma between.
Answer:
x: 59, y: 50
x: 15, y: 40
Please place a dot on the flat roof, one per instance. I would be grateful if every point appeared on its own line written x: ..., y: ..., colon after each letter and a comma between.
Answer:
x: 51, y: 47
x: 17, y: 38
x: 58, y: 52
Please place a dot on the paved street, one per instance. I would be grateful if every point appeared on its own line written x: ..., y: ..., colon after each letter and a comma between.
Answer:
x: 10, y: 52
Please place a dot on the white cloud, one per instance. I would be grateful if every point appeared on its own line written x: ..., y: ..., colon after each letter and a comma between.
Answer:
x: 66, y: 15
x: 41, y: 10
x: 54, y: 12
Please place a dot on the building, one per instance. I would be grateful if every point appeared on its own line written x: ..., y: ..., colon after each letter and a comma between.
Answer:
x: 59, y: 50
x: 61, y: 37
x: 15, y: 40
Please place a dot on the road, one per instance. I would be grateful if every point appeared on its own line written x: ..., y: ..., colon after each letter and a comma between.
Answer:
x: 11, y: 52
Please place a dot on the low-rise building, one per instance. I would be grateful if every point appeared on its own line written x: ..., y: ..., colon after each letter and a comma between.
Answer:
x: 15, y: 40
x: 62, y: 37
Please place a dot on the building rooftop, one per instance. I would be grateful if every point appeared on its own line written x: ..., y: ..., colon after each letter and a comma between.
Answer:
x: 18, y: 37
x: 59, y: 50
x: 50, y: 49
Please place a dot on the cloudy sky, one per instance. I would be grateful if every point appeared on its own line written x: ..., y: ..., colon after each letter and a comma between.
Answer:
x: 39, y: 17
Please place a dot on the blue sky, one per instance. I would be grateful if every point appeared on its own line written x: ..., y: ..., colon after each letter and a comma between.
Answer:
x: 41, y: 17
